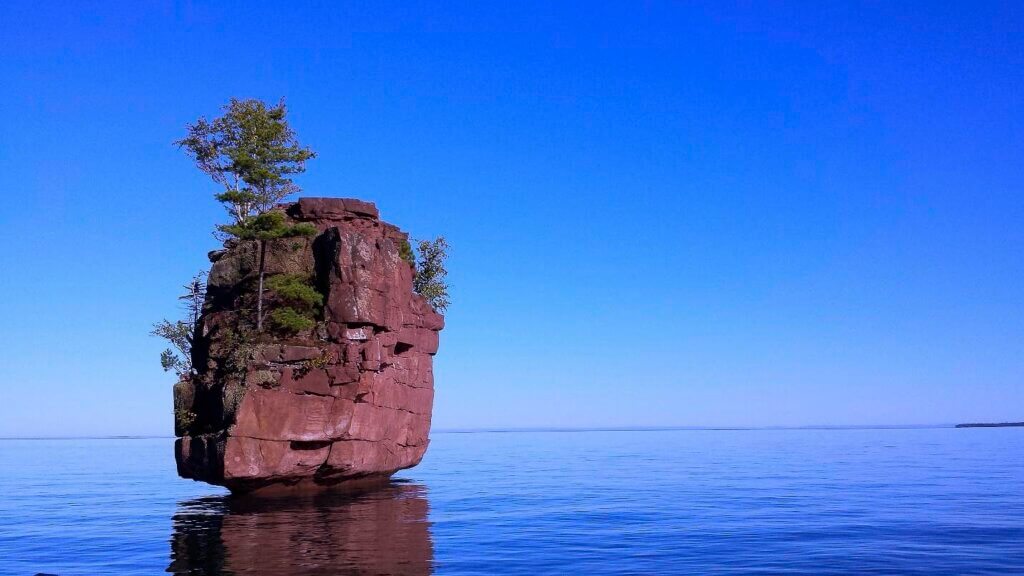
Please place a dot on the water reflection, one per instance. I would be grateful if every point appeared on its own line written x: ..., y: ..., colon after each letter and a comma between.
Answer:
x: 380, y: 532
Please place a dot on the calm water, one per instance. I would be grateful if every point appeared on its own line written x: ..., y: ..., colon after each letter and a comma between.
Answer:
x: 937, y: 501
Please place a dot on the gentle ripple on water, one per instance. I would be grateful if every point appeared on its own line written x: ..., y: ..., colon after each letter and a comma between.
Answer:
x: 924, y: 501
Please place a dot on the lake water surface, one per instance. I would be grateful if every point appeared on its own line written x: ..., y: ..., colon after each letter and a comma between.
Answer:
x: 894, y: 501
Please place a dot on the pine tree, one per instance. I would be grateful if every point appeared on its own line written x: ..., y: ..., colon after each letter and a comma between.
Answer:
x: 252, y: 152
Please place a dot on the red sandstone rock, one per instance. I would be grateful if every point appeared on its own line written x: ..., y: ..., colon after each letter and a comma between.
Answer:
x: 299, y: 381
x: 340, y: 404
x: 316, y: 209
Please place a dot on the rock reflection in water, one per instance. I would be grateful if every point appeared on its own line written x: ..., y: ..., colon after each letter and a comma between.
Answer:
x: 380, y: 532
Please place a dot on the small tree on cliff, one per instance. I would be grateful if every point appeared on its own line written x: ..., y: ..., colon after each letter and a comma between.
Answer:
x: 181, y: 333
x: 264, y: 227
x: 430, y: 281
x: 251, y: 151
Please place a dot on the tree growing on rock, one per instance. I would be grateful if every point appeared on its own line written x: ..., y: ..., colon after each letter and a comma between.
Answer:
x: 181, y: 333
x: 301, y: 302
x: 430, y: 280
x: 252, y: 152
x: 263, y: 228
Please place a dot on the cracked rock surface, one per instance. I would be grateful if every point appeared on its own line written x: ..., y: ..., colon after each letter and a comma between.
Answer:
x: 342, y: 404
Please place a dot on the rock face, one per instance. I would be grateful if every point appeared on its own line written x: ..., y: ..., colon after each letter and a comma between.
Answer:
x: 344, y: 403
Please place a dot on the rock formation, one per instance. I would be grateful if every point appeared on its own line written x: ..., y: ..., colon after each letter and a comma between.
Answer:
x: 343, y: 403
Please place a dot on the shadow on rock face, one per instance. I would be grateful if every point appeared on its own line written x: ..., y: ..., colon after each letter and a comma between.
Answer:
x: 380, y: 532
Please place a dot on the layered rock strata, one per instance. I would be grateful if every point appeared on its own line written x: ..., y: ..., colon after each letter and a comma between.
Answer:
x: 345, y: 402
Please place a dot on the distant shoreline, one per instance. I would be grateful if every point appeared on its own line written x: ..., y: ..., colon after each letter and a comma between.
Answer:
x: 991, y: 425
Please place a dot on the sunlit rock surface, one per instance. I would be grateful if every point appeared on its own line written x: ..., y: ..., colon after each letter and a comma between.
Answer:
x: 344, y: 404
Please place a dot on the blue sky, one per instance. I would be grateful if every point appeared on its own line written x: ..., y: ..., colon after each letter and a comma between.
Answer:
x: 661, y: 213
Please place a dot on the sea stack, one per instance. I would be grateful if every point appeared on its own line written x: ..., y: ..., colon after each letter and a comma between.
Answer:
x: 341, y: 401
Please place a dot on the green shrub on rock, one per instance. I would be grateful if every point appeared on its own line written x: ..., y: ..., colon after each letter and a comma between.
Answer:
x: 295, y: 288
x: 405, y: 252
x: 183, y: 420
x: 289, y: 319
x: 267, y: 226
x: 302, y: 229
x: 301, y: 302
x: 430, y: 281
x: 180, y: 332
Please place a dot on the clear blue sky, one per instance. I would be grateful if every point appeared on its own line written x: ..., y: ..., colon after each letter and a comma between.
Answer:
x: 661, y: 213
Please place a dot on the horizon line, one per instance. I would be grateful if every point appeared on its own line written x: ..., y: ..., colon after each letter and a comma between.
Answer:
x: 500, y: 430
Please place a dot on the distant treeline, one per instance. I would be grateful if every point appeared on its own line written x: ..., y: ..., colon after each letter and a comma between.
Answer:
x: 990, y: 425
